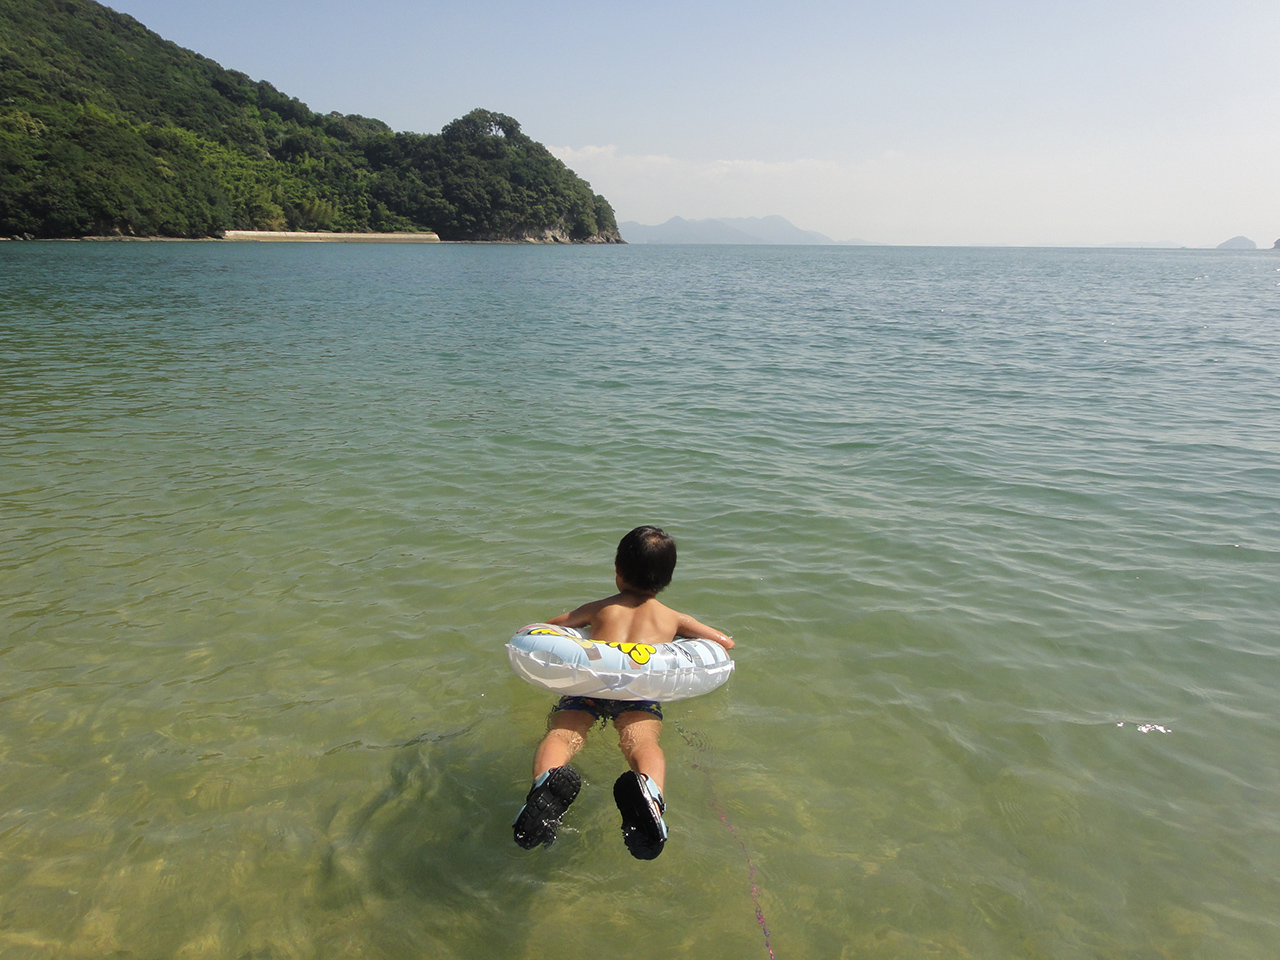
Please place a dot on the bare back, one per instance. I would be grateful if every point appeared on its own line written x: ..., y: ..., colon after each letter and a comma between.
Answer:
x: 633, y: 617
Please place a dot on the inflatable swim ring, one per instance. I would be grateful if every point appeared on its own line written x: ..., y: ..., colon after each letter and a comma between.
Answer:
x: 566, y: 661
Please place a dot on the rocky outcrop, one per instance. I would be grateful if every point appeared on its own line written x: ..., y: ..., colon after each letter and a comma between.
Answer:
x: 548, y: 235
x: 613, y: 236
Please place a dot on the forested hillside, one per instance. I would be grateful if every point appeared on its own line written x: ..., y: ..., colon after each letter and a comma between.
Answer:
x: 107, y: 128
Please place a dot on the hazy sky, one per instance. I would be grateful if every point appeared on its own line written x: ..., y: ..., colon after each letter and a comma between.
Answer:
x: 914, y: 121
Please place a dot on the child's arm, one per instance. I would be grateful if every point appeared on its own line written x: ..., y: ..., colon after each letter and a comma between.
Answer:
x: 582, y: 617
x: 690, y: 627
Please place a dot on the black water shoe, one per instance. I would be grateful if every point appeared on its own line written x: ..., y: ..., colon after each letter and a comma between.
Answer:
x: 548, y: 799
x: 640, y: 802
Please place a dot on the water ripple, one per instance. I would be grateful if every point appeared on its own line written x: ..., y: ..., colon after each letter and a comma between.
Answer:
x: 977, y: 517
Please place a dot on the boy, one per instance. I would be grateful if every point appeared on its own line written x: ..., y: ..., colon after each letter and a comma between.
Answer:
x: 645, y: 560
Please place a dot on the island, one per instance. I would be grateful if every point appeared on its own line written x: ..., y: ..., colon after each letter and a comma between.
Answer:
x: 108, y: 129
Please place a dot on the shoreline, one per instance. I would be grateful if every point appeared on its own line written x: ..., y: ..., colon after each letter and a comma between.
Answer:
x: 301, y: 236
x: 288, y: 236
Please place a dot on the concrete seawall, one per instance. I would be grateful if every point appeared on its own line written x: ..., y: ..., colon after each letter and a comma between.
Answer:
x: 297, y: 236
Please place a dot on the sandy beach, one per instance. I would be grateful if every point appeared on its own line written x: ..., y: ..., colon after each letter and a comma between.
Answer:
x: 302, y: 236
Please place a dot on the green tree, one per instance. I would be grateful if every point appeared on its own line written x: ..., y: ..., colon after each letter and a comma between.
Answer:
x: 107, y: 128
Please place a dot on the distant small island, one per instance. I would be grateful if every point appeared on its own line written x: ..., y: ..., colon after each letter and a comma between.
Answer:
x: 1238, y: 243
x: 107, y: 129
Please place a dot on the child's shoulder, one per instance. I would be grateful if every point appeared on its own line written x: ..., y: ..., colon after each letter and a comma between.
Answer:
x: 581, y: 616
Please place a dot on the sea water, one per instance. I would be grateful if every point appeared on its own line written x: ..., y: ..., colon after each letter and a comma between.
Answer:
x: 997, y: 532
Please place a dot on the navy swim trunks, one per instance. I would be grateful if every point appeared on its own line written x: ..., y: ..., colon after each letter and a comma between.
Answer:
x: 601, y: 709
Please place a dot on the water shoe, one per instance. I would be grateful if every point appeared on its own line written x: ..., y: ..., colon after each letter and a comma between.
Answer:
x: 640, y: 802
x: 548, y: 799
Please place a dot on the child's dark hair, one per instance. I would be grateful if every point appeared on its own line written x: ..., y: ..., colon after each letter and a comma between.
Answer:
x: 646, y: 558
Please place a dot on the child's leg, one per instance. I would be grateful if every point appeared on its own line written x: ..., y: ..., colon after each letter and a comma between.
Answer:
x: 638, y: 733
x: 638, y: 793
x: 566, y: 733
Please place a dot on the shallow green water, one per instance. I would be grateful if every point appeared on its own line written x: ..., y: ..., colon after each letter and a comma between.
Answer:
x: 978, y: 519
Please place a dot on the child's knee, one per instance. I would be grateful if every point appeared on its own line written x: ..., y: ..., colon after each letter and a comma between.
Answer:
x: 567, y: 736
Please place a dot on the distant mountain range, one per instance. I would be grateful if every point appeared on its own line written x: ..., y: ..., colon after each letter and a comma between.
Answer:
x: 780, y: 230
x: 773, y: 229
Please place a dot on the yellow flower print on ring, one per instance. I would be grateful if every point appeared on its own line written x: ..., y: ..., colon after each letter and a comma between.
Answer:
x: 638, y: 652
